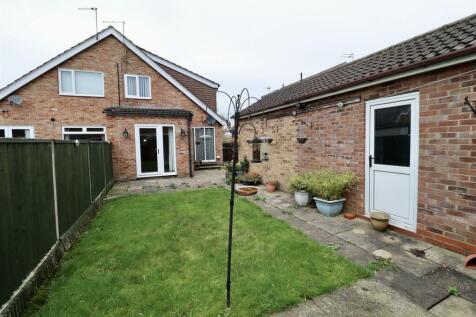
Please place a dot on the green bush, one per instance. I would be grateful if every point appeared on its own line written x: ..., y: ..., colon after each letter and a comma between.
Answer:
x: 330, y: 185
x: 252, y: 178
x: 302, y: 182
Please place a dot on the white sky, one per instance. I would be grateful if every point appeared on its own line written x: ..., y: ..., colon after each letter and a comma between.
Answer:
x: 253, y: 44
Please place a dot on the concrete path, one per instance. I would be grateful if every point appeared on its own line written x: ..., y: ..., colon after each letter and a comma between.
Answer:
x: 367, y: 298
x: 416, y: 286
x: 201, y: 179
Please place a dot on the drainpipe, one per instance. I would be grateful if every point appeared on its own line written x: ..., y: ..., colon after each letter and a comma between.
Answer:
x: 118, y: 85
x: 189, y: 121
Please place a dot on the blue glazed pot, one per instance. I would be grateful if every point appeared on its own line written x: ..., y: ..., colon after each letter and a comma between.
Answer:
x: 329, y: 208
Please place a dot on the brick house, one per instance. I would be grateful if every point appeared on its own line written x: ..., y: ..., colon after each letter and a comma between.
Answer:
x: 160, y: 117
x: 398, y: 119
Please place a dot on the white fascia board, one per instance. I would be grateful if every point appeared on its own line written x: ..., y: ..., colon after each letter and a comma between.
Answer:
x: 181, y: 70
x: 421, y: 70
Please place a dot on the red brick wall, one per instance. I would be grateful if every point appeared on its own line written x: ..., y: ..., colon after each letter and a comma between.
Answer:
x: 447, y: 161
x: 42, y: 102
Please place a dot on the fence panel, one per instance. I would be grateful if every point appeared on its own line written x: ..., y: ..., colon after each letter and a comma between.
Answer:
x: 27, y: 216
x: 72, y: 182
x: 27, y: 205
x: 98, y: 176
x: 108, y: 161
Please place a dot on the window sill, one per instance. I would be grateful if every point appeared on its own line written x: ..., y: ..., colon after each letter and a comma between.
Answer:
x: 76, y: 95
x: 142, y: 98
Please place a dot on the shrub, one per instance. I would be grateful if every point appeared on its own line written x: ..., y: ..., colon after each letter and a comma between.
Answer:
x: 245, y: 165
x: 302, y: 182
x: 253, y: 178
x: 330, y: 185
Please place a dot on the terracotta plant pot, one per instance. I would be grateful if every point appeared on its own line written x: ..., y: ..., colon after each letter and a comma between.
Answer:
x: 349, y: 215
x: 379, y: 220
x: 246, y: 191
x: 270, y: 187
x: 470, y: 261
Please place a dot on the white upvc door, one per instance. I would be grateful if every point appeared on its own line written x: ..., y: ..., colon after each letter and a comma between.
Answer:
x: 391, y: 180
x: 155, y: 150
x: 205, y: 150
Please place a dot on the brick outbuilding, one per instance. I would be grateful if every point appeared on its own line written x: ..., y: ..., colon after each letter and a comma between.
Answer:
x: 399, y: 119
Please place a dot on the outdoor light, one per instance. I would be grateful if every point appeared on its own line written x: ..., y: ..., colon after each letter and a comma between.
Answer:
x: 125, y: 133
x: 182, y: 132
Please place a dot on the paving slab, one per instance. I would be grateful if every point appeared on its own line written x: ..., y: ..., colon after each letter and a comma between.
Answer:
x: 411, y: 263
x: 422, y: 292
x: 330, y: 226
x: 447, y: 258
x: 444, y: 278
x: 355, y: 253
x: 454, y: 306
x: 369, y: 298
x: 364, y: 239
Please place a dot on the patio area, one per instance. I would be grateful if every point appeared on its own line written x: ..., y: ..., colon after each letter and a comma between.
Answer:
x: 417, y: 282
x: 201, y: 179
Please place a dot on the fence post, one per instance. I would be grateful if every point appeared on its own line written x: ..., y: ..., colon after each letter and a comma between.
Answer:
x: 104, y: 165
x: 89, y: 173
x: 55, y: 193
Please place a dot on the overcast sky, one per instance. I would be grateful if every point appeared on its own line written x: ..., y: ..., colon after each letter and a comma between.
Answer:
x: 253, y: 44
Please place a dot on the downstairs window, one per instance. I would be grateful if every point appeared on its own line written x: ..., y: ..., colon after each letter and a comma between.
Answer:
x: 84, y: 133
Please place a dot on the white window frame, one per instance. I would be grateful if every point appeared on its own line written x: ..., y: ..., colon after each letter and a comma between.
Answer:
x: 8, y: 130
x: 137, y: 87
x: 84, y: 130
x: 160, y: 146
x: 74, y: 82
x: 214, y: 143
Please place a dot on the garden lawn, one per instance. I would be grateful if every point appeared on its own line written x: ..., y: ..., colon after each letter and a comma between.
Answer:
x: 165, y: 255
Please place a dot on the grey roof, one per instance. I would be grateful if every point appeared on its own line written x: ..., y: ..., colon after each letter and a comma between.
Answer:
x: 451, y: 40
x: 147, y: 111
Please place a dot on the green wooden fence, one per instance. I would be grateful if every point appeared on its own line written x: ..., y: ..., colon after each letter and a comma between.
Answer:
x: 45, y: 186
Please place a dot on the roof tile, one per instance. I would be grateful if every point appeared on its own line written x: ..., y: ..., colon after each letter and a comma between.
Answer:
x: 448, y: 39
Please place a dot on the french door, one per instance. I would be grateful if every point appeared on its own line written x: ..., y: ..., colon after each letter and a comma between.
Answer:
x: 155, y: 150
x: 392, y: 158
x: 204, y: 144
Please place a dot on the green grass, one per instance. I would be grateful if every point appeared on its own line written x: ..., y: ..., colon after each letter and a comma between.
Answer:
x: 165, y: 255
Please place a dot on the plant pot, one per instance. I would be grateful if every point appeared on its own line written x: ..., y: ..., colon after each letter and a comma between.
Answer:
x: 379, y: 220
x: 302, y: 198
x: 270, y: 188
x: 329, y: 208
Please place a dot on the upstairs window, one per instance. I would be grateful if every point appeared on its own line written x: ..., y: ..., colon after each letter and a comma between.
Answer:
x: 81, y: 83
x: 137, y: 86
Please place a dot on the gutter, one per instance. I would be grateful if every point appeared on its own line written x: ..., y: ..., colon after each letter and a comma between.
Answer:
x: 455, y: 58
